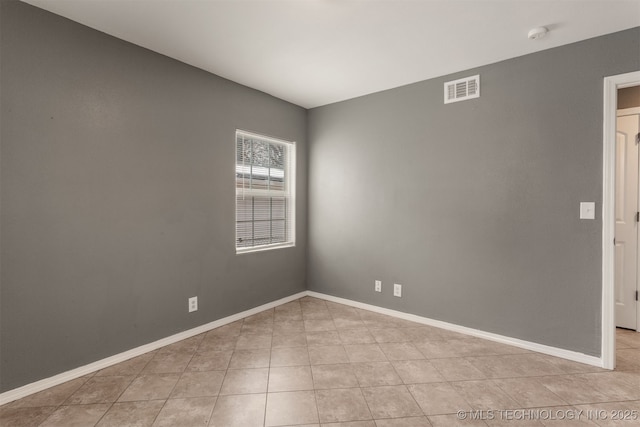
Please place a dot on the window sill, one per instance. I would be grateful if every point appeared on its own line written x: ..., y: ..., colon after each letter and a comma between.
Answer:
x: 240, y: 251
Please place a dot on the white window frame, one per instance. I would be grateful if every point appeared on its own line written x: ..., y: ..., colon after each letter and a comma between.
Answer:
x: 288, y: 193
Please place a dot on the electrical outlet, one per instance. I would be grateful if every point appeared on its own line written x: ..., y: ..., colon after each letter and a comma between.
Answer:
x: 397, y: 290
x: 378, y: 286
x: 193, y: 304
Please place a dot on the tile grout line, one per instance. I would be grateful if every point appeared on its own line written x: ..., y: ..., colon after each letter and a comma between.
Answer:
x: 122, y: 392
x: 266, y: 393
x: 61, y: 404
x: 179, y: 378
x: 115, y: 401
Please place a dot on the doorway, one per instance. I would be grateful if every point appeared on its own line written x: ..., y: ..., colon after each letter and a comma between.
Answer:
x: 613, y: 251
x: 627, y: 209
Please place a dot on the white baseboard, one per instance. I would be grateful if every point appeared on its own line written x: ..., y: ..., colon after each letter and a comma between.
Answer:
x: 26, y: 390
x: 540, y: 348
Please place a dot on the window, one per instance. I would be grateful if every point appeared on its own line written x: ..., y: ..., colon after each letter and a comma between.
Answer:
x: 265, y: 189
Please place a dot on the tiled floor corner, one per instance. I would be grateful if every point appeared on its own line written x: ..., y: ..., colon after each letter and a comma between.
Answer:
x: 316, y: 363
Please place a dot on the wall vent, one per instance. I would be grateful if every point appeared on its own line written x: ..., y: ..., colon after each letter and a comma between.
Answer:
x: 462, y: 89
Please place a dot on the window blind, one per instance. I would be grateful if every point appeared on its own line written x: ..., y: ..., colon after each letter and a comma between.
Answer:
x: 265, y: 188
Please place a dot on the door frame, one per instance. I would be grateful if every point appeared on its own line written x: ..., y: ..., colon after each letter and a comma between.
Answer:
x: 611, y: 86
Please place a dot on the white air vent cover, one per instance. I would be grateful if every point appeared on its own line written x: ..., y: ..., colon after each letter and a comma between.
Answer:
x: 462, y: 89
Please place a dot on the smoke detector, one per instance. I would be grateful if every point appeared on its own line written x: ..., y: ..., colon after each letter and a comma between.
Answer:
x: 538, y: 33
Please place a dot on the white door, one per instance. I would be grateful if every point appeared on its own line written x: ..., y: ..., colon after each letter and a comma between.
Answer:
x: 626, y: 211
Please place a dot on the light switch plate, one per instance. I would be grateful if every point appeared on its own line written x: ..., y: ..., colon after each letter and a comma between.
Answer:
x: 587, y: 210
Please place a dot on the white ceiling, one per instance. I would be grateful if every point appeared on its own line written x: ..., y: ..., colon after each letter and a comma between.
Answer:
x: 316, y: 52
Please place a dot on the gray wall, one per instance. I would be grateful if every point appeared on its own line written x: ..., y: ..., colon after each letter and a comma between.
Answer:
x: 472, y: 206
x: 118, y: 196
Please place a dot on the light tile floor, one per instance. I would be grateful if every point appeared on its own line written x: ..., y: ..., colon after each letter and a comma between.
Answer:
x: 317, y: 363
